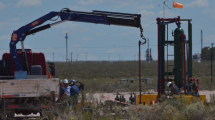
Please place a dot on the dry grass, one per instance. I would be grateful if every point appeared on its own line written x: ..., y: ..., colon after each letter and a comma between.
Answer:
x: 166, y: 109
x: 104, y: 76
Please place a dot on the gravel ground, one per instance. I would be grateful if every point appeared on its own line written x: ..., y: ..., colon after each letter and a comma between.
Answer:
x: 98, y: 96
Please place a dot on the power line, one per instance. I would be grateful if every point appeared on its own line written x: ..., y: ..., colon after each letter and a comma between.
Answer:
x: 100, y: 46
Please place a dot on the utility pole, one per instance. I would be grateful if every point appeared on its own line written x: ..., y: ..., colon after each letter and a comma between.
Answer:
x: 71, y: 57
x: 86, y: 56
x: 211, y: 60
x: 201, y: 44
x: 137, y: 56
x: 53, y: 57
x: 66, y: 46
x: 77, y: 58
x: 119, y: 56
x: 148, y: 60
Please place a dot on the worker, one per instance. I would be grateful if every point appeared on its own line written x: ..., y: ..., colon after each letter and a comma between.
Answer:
x: 67, y: 90
x: 174, y: 89
x: 62, y: 90
x: 66, y: 87
x: 74, y: 92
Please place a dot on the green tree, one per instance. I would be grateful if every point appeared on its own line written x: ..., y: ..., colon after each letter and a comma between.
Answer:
x: 206, y: 53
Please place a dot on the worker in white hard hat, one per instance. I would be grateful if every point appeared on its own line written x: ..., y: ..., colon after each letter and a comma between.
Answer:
x: 174, y: 89
x: 67, y: 89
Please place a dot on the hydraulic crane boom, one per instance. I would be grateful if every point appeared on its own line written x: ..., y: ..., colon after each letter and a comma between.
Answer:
x: 97, y: 17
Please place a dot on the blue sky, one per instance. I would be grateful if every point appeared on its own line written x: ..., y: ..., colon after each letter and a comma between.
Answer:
x: 102, y: 41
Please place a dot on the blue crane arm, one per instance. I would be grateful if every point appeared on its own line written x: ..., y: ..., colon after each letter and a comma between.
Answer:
x: 97, y: 17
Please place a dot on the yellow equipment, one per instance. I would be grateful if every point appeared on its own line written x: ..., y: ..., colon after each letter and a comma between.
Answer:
x: 151, y: 98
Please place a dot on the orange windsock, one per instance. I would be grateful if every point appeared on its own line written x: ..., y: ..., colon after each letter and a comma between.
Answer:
x: 177, y: 5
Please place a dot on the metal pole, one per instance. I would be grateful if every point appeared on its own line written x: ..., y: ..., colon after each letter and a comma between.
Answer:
x: 86, y: 56
x: 66, y: 47
x: 53, y: 57
x: 201, y: 44
x: 148, y: 60
x: 71, y: 57
x: 140, y: 72
x: 167, y: 56
x: 77, y: 57
x: 211, y: 59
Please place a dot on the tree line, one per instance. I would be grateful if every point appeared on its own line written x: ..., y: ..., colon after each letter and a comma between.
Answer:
x: 206, y: 53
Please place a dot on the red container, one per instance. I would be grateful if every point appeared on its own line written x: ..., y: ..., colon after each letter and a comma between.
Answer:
x: 32, y: 58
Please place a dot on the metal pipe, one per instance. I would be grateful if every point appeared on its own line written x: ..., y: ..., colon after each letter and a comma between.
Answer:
x: 188, y: 75
x: 56, y: 23
x: 170, y: 19
x: 167, y: 53
x: 184, y: 67
x: 97, y: 11
x: 150, y: 56
x: 159, y: 67
x: 22, y: 45
x: 186, y: 20
x: 140, y: 72
x: 211, y: 59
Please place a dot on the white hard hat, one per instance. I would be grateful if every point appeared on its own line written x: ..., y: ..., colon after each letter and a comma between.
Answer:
x: 65, y: 81
x: 61, y: 81
x: 168, y: 84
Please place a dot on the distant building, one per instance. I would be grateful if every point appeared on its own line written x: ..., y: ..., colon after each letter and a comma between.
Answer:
x: 197, y: 57
x: 148, y: 55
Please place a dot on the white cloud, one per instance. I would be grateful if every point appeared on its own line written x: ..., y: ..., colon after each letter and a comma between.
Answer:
x: 197, y: 3
x: 115, y: 50
x: 13, y: 19
x: 167, y: 14
x: 86, y: 39
x: 144, y: 12
x: 5, y: 25
x: 100, y: 34
x: 1, y: 6
x: 121, y: 5
x: 27, y: 47
x: 210, y: 38
x: 90, y: 2
x: 209, y: 12
x: 150, y: 6
x: 49, y: 49
x: 28, y: 3
x: 77, y: 8
x: 5, y: 38
x: 66, y: 25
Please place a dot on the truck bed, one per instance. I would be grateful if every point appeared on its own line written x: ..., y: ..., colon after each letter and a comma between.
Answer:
x: 28, y: 87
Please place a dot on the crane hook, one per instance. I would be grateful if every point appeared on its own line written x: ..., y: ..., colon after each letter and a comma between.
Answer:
x: 141, y: 35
